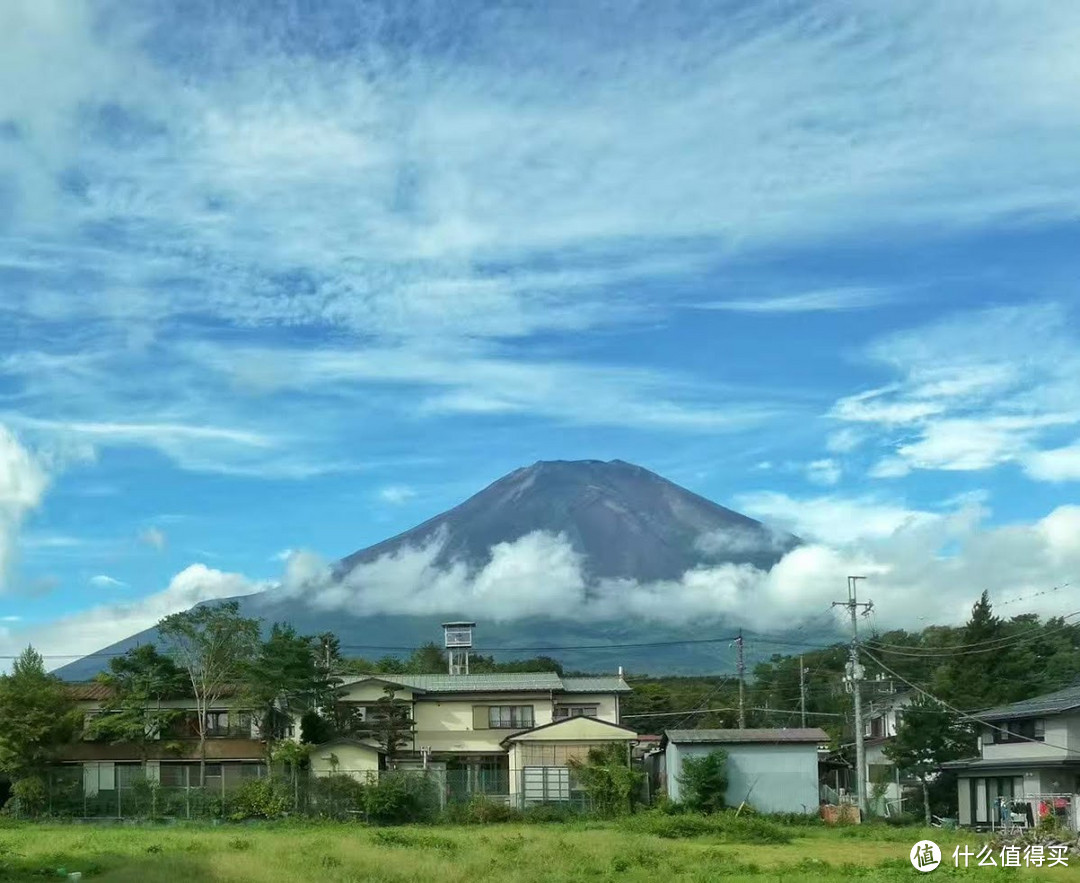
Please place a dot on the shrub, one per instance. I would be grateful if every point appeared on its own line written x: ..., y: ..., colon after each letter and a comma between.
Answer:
x: 480, y: 811
x: 704, y: 781
x: 608, y: 778
x: 399, y: 798
x: 259, y: 799
x: 29, y: 797
x: 337, y: 795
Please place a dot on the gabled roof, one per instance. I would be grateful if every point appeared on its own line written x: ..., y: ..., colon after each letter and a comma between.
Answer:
x: 572, y: 723
x: 347, y: 740
x: 509, y: 682
x: 1049, y: 703
x: 810, y: 735
x: 390, y: 681
x: 89, y: 691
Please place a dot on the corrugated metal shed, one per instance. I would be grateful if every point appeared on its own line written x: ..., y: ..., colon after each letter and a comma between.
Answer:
x: 795, y: 734
x: 1050, y: 703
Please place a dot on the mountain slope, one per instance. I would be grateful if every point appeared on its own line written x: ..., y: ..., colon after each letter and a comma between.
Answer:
x: 626, y: 524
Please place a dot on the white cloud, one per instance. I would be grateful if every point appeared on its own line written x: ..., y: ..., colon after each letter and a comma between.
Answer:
x: 844, y: 441
x: 23, y: 483
x: 103, y: 581
x: 154, y: 537
x: 833, y: 520
x: 973, y: 392
x: 1055, y: 464
x: 398, y: 194
x: 90, y: 630
x: 923, y: 568
x: 396, y: 494
x: 827, y: 472
x: 826, y: 300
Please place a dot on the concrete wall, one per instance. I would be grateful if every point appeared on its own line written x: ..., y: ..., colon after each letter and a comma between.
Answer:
x: 777, y: 777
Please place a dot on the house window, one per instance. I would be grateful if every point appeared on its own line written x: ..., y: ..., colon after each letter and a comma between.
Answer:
x: 217, y: 723
x: 562, y: 712
x: 515, y: 717
x: 1025, y: 730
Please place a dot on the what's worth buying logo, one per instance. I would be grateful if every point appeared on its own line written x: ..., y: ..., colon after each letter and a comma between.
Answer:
x: 925, y: 855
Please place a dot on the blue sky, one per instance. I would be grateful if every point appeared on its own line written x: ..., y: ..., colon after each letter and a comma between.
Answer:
x: 281, y: 276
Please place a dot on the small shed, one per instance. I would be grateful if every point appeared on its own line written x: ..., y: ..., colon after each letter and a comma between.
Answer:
x: 772, y: 770
x: 350, y: 757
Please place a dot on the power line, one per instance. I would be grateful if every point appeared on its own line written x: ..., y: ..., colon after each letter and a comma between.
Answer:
x: 989, y: 646
x: 726, y: 708
x: 970, y: 717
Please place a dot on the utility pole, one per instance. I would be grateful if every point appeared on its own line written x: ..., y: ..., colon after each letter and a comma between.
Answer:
x: 802, y: 693
x: 741, y: 668
x: 855, y: 676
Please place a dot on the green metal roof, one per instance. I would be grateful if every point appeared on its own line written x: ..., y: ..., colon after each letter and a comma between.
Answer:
x: 506, y: 683
x: 1050, y: 703
x: 595, y: 685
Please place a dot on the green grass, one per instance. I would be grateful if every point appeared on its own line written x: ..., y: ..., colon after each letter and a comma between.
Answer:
x: 342, y: 853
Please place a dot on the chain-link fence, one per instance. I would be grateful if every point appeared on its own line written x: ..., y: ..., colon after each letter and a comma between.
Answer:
x: 387, y: 795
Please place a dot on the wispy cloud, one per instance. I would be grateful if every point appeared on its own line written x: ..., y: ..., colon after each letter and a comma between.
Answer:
x: 396, y: 494
x: 104, y: 581
x: 824, y: 301
x: 23, y: 482
x: 975, y: 391
x: 154, y: 537
x: 92, y: 629
x: 194, y: 188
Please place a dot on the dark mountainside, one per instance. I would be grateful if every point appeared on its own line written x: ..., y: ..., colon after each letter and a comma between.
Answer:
x: 629, y: 523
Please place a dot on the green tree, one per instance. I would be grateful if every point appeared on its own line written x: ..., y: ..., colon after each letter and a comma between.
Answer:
x: 703, y: 781
x: 37, y: 714
x: 285, y: 679
x: 214, y: 645
x: 608, y: 778
x: 139, y: 682
x: 927, y: 736
x: 388, y: 722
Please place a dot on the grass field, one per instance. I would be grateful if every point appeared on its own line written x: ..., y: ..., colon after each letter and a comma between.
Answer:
x: 513, y: 852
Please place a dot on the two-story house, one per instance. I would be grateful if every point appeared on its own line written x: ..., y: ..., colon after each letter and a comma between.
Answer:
x: 884, y: 785
x: 1029, y: 756
x: 504, y: 735
x: 234, y: 750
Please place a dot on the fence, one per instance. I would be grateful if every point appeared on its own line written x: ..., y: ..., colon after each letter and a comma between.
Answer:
x: 339, y: 795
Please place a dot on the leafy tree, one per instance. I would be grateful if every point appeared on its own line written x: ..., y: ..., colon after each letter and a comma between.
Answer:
x: 388, y: 722
x: 608, y: 778
x: 704, y: 782
x: 927, y: 736
x: 38, y: 717
x: 430, y: 658
x: 214, y: 645
x: 139, y: 682
x: 285, y: 679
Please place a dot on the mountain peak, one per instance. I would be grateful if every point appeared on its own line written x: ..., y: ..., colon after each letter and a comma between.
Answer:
x: 625, y: 521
